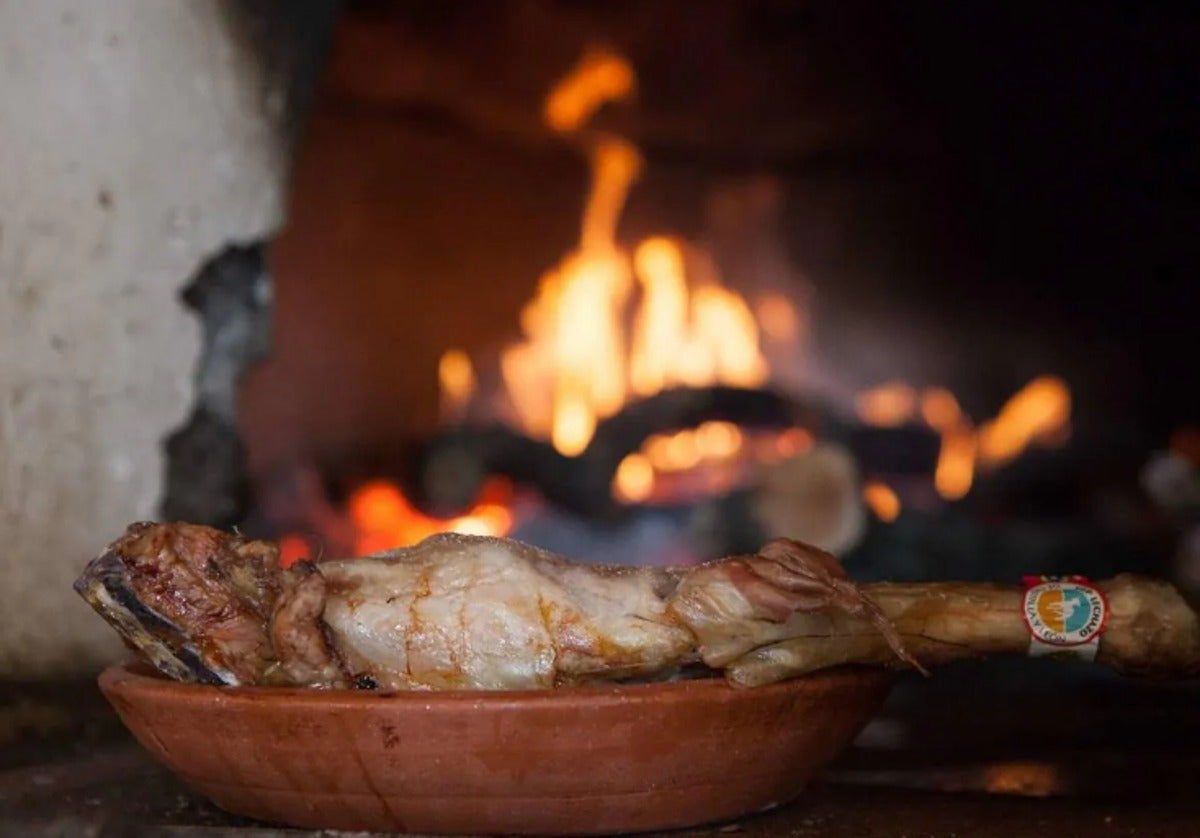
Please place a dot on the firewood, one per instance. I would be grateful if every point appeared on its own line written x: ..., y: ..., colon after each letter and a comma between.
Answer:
x: 454, y: 464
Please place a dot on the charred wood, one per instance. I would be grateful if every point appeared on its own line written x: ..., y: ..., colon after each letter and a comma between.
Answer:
x: 454, y: 465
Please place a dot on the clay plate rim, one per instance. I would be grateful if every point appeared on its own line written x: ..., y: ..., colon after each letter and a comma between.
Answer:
x: 137, y: 678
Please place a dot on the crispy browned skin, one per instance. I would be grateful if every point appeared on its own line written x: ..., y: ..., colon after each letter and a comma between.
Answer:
x: 218, y: 588
x: 249, y: 621
x: 302, y: 651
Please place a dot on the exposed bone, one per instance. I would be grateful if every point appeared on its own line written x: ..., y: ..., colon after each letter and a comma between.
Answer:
x: 1151, y: 631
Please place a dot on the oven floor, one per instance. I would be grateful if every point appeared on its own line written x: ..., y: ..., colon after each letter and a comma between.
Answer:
x: 973, y: 752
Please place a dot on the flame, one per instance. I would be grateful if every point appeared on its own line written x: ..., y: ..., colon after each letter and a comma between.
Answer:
x: 683, y: 336
x: 1031, y: 779
x: 719, y: 440
x: 456, y: 378
x: 940, y: 409
x: 660, y: 325
x: 726, y: 328
x: 584, y: 353
x: 608, y: 324
x: 634, y: 480
x: 384, y: 518
x: 569, y: 371
x: 956, y: 462
x: 292, y: 549
x: 599, y: 77
x: 713, y: 457
x: 884, y: 502
x: 1039, y: 412
x: 888, y: 405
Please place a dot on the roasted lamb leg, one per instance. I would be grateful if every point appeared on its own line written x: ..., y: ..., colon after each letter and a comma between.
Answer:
x: 464, y: 612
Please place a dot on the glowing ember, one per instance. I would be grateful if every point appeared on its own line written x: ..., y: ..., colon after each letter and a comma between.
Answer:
x: 793, y: 441
x: 1039, y: 412
x: 384, y: 518
x: 882, y: 500
x: 1031, y: 779
x: 634, y: 481
x: 292, y: 549
x: 714, y: 457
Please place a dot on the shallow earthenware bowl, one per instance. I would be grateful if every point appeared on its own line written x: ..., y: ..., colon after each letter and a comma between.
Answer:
x: 582, y: 760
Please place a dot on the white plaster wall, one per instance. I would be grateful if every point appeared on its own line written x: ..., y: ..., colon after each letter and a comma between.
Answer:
x: 136, y: 138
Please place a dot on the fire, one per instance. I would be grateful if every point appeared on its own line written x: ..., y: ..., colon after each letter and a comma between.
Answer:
x: 609, y: 324
x: 882, y: 500
x: 605, y: 326
x: 600, y: 77
x: 940, y: 409
x: 712, y: 457
x: 681, y: 336
x: 1039, y: 412
x: 384, y: 518
x: 634, y: 480
x: 456, y: 378
x: 956, y: 462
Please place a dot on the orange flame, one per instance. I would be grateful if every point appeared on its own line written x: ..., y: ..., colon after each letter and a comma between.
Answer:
x: 1039, y: 412
x: 584, y: 353
x: 940, y: 409
x: 600, y: 77
x: 956, y: 462
x: 384, y: 518
x: 713, y: 457
x: 456, y: 378
x: 684, y: 336
x: 634, y: 480
x: 605, y: 327
x: 882, y: 500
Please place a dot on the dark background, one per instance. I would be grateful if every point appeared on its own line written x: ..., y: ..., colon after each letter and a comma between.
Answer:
x: 1071, y: 134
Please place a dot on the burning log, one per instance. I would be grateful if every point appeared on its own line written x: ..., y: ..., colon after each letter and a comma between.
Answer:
x: 455, y: 464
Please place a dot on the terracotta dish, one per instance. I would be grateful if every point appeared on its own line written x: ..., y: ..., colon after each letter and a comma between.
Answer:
x: 582, y: 760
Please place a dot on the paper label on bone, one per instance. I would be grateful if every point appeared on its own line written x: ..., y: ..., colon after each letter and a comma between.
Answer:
x: 1065, y: 616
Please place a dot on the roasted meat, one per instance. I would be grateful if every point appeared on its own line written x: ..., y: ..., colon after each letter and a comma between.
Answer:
x: 468, y: 612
